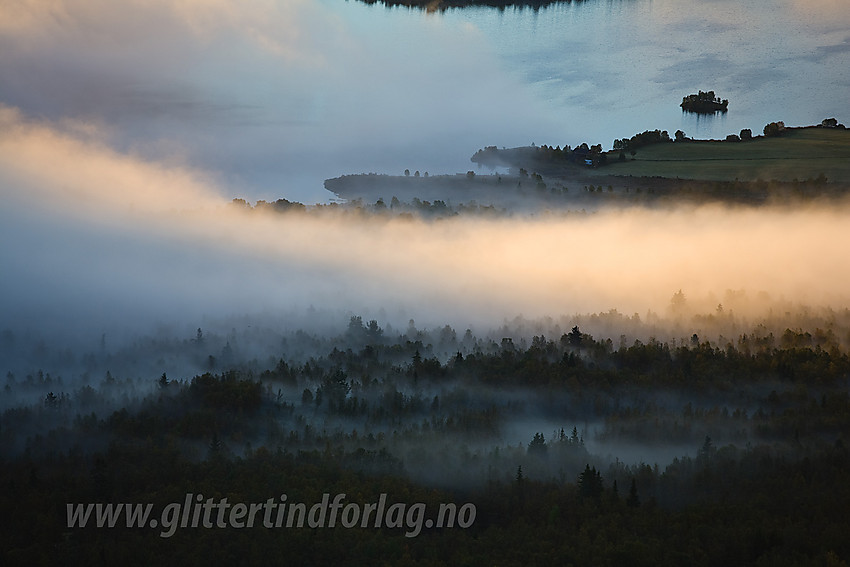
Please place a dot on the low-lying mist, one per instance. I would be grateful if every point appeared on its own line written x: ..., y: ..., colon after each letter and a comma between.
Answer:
x: 97, y: 241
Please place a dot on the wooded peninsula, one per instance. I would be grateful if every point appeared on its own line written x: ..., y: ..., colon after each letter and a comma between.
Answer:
x: 782, y: 165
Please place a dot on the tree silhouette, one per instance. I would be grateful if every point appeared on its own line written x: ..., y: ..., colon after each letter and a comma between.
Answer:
x: 633, y: 501
x: 590, y: 482
x: 537, y: 446
x: 575, y: 337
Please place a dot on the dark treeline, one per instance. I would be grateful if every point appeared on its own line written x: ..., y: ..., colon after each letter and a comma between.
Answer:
x: 542, y: 158
x: 358, y: 208
x: 564, y: 161
x: 646, y: 138
x: 527, y: 192
x: 436, y: 5
x: 562, y: 443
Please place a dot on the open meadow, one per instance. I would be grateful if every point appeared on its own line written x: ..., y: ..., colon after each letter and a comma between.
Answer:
x: 803, y: 153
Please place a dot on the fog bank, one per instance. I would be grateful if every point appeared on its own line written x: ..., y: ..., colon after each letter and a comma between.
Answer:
x: 94, y: 238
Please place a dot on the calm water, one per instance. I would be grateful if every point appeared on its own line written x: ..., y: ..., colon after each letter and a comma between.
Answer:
x: 618, y: 67
x: 442, y: 85
x: 271, y: 99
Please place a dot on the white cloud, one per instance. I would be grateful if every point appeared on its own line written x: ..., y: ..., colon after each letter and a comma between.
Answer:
x: 280, y: 28
x: 73, y: 171
x: 180, y: 252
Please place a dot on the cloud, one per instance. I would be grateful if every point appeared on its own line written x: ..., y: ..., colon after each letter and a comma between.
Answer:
x: 43, y: 166
x: 96, y: 238
x: 275, y: 26
x: 277, y: 96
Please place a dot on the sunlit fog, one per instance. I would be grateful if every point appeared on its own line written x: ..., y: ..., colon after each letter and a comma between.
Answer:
x: 533, y: 282
x: 101, y: 239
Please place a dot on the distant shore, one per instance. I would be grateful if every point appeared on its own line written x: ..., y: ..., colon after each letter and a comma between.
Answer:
x: 438, y: 5
x: 787, y: 163
x: 782, y: 154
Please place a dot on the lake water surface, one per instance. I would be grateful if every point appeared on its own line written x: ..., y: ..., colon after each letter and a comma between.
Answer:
x: 437, y: 86
x: 273, y: 98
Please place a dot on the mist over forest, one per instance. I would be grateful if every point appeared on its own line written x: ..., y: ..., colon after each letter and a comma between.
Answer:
x: 476, y: 351
x: 179, y: 250
x: 635, y: 356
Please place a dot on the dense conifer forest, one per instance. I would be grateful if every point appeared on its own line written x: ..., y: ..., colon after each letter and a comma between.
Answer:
x: 575, y: 448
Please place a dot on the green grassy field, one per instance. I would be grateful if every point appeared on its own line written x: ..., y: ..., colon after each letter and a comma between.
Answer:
x: 798, y: 154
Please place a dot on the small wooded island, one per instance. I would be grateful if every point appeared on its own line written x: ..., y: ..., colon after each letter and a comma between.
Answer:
x: 704, y: 103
